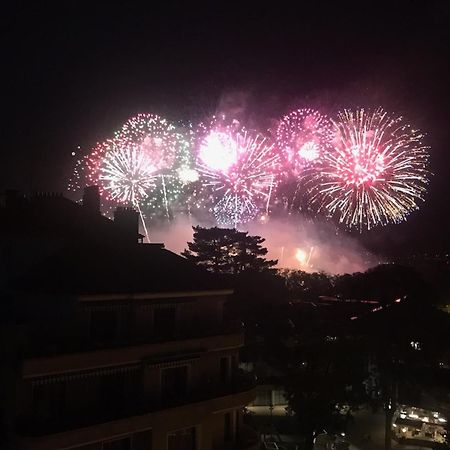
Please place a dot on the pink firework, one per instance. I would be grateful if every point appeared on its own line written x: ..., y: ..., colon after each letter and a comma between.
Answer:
x: 375, y: 172
x: 238, y: 171
x: 218, y: 151
x: 302, y: 137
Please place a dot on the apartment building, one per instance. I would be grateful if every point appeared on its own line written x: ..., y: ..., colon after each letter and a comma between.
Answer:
x: 115, y: 344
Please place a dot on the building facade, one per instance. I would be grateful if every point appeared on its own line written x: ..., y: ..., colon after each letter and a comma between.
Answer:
x: 137, y: 358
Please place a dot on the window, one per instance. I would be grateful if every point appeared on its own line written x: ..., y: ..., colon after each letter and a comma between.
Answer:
x: 182, y: 439
x: 227, y: 427
x: 164, y: 321
x: 174, y: 383
x: 224, y: 369
x: 49, y: 400
x: 142, y: 440
x: 103, y: 325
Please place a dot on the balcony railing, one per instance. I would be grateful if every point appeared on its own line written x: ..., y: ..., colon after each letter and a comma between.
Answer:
x: 34, y: 425
x: 246, y: 439
x: 37, y: 348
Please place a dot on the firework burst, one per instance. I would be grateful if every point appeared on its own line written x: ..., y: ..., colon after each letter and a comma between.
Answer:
x: 146, y: 165
x: 374, y: 173
x: 126, y: 173
x: 172, y: 156
x: 302, y: 137
x: 237, y: 169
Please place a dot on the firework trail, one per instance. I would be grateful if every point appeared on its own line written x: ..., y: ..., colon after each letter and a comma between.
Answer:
x: 238, y: 170
x: 375, y: 172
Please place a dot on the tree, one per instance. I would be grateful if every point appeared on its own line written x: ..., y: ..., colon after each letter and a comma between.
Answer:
x: 329, y: 374
x: 303, y: 285
x: 385, y: 283
x: 225, y: 250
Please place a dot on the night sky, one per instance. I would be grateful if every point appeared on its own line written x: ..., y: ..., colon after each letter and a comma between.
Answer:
x: 73, y: 73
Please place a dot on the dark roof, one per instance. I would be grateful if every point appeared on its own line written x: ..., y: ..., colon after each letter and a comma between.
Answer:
x: 106, y: 269
x: 52, y: 244
x: 52, y: 215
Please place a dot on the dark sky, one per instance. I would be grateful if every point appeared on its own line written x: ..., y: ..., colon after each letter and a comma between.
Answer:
x: 72, y: 73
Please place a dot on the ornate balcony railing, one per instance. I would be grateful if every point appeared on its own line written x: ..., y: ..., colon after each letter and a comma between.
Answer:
x: 37, y: 425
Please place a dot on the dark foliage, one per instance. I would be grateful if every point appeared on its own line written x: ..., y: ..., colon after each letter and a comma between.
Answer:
x: 229, y: 251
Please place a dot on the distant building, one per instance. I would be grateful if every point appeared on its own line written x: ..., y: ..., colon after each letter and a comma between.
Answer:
x: 412, y: 423
x: 112, y: 344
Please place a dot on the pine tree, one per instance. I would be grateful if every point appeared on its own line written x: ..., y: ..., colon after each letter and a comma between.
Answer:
x: 225, y: 250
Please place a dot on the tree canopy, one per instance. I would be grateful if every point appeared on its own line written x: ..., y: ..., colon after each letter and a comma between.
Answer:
x: 226, y: 250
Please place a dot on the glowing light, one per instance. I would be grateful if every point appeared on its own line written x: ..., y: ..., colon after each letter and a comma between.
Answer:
x: 237, y: 170
x: 374, y: 173
x: 304, y: 257
x: 218, y: 151
x: 309, y: 151
x: 301, y: 256
x: 187, y: 175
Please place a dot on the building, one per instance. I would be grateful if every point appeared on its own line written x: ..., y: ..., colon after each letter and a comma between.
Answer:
x: 413, y: 424
x: 112, y: 344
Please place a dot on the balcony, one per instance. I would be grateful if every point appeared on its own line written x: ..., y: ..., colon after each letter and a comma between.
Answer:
x: 237, y: 393
x: 65, y: 345
x: 229, y: 335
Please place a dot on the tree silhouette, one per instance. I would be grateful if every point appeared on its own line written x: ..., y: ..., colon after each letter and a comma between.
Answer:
x: 230, y: 251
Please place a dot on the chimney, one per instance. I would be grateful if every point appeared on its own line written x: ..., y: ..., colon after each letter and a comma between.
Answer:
x: 127, y: 222
x: 91, y: 199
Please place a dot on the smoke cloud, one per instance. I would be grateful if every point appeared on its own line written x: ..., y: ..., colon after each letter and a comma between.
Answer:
x: 296, y: 244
